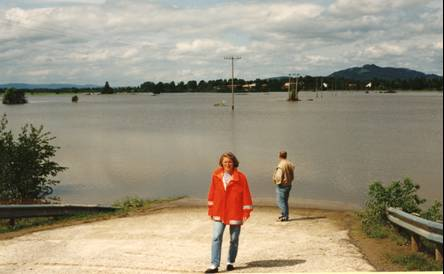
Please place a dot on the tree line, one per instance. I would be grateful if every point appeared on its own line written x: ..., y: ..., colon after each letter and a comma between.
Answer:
x: 306, y: 83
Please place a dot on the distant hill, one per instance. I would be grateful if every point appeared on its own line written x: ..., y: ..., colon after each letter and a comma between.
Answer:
x: 369, y: 72
x: 45, y: 86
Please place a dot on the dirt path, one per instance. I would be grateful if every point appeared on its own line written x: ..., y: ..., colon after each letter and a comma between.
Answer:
x: 177, y: 240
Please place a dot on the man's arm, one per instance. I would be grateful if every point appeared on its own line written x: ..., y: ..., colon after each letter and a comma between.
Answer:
x: 277, y: 177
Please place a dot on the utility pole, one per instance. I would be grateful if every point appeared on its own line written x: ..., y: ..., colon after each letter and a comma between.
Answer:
x: 290, y: 90
x: 232, y: 58
x: 293, y: 92
x: 322, y: 87
x: 316, y: 87
x: 296, y: 88
x: 289, y: 87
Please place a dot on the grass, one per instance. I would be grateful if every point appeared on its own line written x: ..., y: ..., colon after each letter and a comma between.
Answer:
x: 128, y: 206
x: 377, y: 231
x: 416, y: 262
x: 25, y: 223
x: 389, y: 249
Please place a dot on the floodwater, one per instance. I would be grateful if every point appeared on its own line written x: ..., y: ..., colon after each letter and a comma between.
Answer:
x: 168, y: 145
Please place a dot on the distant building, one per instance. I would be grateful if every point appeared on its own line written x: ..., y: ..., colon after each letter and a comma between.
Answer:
x: 352, y: 85
x: 249, y: 86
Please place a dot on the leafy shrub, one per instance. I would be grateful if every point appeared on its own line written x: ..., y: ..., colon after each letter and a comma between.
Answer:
x: 26, y: 168
x: 130, y: 203
x: 399, y: 194
x: 14, y: 97
x: 433, y: 213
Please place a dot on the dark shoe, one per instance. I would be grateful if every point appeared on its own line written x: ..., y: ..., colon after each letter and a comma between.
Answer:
x: 284, y: 219
x: 230, y: 267
x: 212, y: 270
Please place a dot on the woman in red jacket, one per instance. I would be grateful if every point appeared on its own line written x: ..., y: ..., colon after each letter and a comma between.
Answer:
x: 229, y: 203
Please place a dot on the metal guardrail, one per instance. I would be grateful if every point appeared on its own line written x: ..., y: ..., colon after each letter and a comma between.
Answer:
x: 13, y: 212
x: 420, y: 227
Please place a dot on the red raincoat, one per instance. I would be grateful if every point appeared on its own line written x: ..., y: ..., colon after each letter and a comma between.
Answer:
x: 233, y: 205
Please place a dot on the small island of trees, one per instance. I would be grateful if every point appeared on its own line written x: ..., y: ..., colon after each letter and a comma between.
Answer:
x: 14, y: 97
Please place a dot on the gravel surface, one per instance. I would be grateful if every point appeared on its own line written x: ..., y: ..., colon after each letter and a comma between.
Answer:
x: 178, y: 239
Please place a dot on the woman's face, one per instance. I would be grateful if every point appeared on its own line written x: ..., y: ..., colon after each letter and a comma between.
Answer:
x: 227, y: 164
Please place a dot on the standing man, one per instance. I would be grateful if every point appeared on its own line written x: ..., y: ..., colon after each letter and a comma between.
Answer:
x: 282, y: 177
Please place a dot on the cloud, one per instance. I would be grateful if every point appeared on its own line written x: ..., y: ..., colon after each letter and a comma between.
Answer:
x: 382, y: 50
x: 354, y: 8
x: 129, y: 42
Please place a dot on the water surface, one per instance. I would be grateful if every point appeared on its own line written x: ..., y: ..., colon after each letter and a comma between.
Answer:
x: 168, y: 145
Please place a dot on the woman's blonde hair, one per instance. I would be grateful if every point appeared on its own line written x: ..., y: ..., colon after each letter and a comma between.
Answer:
x: 231, y: 156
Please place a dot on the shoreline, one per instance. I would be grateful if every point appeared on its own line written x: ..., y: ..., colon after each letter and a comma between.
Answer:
x: 293, y: 203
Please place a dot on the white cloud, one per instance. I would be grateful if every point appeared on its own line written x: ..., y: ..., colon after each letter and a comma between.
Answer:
x: 353, y: 8
x: 93, y: 41
x: 39, y: 73
x: 204, y: 47
x: 382, y: 50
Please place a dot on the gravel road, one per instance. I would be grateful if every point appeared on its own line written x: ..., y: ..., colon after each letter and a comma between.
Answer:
x: 177, y: 240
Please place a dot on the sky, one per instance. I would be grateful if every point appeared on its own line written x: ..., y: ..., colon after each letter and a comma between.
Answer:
x: 128, y: 42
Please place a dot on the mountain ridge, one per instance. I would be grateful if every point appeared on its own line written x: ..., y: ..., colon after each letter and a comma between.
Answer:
x: 372, y: 71
x: 46, y: 86
x: 365, y: 73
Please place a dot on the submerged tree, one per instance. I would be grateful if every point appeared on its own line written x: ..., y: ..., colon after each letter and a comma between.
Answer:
x: 107, y: 89
x: 26, y: 168
x: 14, y: 97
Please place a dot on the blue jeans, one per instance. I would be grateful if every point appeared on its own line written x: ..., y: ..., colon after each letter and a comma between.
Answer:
x: 282, y: 194
x: 216, y: 245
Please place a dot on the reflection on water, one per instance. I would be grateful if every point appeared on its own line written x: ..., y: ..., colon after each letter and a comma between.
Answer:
x: 168, y: 145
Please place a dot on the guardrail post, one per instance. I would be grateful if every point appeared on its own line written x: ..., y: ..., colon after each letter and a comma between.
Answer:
x: 438, y: 253
x: 11, y: 222
x: 415, y: 243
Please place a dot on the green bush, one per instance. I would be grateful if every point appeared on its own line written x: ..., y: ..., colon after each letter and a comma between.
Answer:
x: 399, y: 194
x: 14, y: 97
x: 433, y: 213
x: 130, y: 203
x: 26, y: 168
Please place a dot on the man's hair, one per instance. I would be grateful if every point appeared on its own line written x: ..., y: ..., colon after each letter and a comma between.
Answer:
x: 231, y: 156
x: 283, y: 154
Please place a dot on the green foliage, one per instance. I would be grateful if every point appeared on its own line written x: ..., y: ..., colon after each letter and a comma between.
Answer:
x: 130, y: 203
x: 418, y: 262
x: 398, y: 194
x: 25, y: 223
x: 433, y: 213
x: 14, y: 97
x: 135, y: 203
x: 377, y: 231
x: 26, y: 168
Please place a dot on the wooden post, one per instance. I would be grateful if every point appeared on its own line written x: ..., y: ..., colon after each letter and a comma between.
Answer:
x: 438, y: 253
x: 289, y: 87
x: 296, y: 91
x: 12, y: 222
x: 415, y: 243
